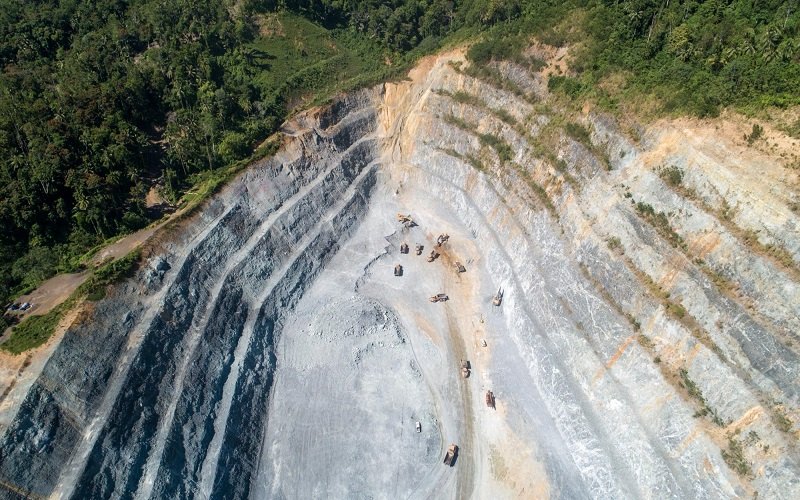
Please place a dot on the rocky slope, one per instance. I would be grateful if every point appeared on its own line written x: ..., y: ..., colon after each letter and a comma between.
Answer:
x: 646, y: 345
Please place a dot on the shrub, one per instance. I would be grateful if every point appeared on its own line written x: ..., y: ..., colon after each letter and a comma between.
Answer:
x: 755, y: 134
x: 490, y: 49
x: 565, y: 84
x: 578, y: 132
x: 645, y: 341
x: 672, y: 175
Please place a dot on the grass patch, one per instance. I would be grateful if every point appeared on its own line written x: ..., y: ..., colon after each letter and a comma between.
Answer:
x: 660, y: 222
x: 94, y: 288
x: 458, y: 123
x: 571, y: 87
x: 793, y: 129
x: 504, y: 116
x: 473, y: 161
x: 462, y: 97
x: 734, y: 457
x: 36, y: 330
x: 645, y: 341
x: 781, y: 257
x: 504, y: 48
x: 496, y: 79
x: 504, y: 151
x: 502, y: 148
x: 783, y: 422
x: 635, y: 324
x: 33, y: 331
x: 546, y: 153
x: 303, y: 63
x: 695, y: 393
x: 690, y: 386
x: 537, y: 189
x: 675, y: 310
x: 579, y: 133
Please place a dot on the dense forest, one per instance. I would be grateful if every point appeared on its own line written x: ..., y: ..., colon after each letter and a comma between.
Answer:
x: 101, y: 100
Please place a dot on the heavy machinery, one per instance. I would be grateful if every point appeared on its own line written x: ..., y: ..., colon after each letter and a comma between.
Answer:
x: 418, y: 249
x: 442, y: 239
x: 404, y: 247
x: 439, y: 297
x: 465, y: 368
x: 433, y: 256
x: 490, y: 400
x: 398, y: 270
x: 450, y: 457
x: 419, y: 427
x: 498, y: 297
x: 460, y: 267
x: 406, y: 220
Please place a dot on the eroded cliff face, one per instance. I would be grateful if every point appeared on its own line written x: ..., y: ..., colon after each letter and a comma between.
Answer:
x: 646, y: 345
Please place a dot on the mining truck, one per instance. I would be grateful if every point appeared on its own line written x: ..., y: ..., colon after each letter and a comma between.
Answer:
x: 418, y: 249
x: 406, y: 220
x: 439, y: 297
x: 419, y: 427
x: 450, y: 457
x: 404, y: 248
x: 465, y: 368
x: 442, y: 239
x: 398, y: 270
x: 498, y: 297
x: 460, y: 267
x: 433, y: 256
x: 490, y: 399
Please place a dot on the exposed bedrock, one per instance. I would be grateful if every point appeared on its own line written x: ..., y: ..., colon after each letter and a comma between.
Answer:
x: 646, y: 345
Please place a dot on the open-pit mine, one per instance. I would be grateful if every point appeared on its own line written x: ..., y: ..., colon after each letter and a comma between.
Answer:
x: 612, y: 314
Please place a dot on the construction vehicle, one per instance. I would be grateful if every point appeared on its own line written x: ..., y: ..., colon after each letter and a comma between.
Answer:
x: 418, y: 249
x: 398, y: 270
x: 433, y: 256
x: 490, y: 400
x: 406, y: 220
x: 465, y: 368
x: 439, y: 297
x: 450, y: 457
x: 404, y: 248
x: 442, y: 239
x: 460, y: 267
x: 419, y: 427
x: 483, y: 342
x: 498, y: 298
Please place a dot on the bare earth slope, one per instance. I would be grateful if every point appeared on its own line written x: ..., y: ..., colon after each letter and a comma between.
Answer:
x: 646, y: 345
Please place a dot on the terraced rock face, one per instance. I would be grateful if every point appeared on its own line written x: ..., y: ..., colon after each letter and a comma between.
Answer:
x: 646, y: 345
